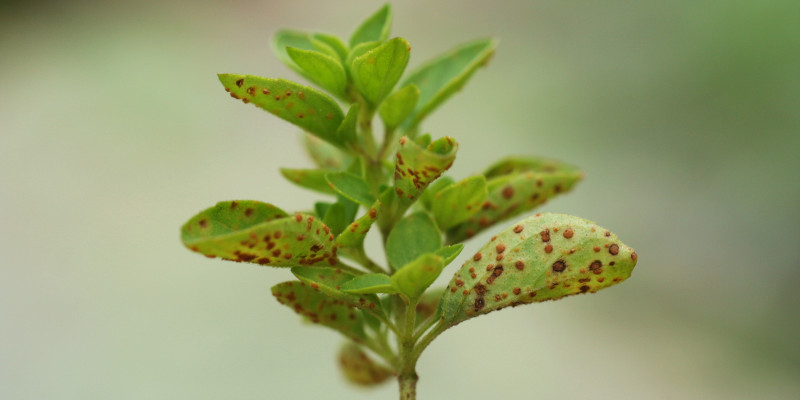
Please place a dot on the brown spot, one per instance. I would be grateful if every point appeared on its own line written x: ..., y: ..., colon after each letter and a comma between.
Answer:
x: 329, y: 116
x: 459, y: 283
x: 277, y: 234
x: 474, y: 275
x: 301, y: 95
x: 480, y: 289
x: 559, y: 266
x: 607, y: 234
x: 568, y: 233
x: 477, y: 257
x: 287, y: 256
x: 263, y: 261
x: 373, y: 213
x: 584, y: 289
x: 203, y: 223
x: 548, y: 248
x: 508, y: 192
x: 301, y: 237
x: 517, y: 291
x: 479, y: 303
x: 317, y: 247
x: 500, y: 248
x: 498, y: 270
x: 596, y: 249
x: 532, y: 294
x: 545, y: 234
x: 518, y: 229
x: 519, y: 265
x: 251, y: 90
x: 634, y: 256
x: 265, y: 91
x: 301, y: 115
x: 453, y: 289
x: 611, y: 263
x: 465, y: 292
x: 614, y: 249
x: 499, y: 257
x: 595, y: 265
x: 601, y: 279
x: 557, y: 189
x: 298, y: 218
x: 240, y: 82
x: 248, y: 212
x: 497, y: 297
x: 276, y: 252
x: 584, y: 280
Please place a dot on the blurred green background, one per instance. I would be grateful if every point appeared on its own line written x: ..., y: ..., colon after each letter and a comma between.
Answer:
x: 114, y: 130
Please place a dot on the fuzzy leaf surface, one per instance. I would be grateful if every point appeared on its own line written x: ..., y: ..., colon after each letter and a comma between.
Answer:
x: 359, y: 368
x: 313, y: 179
x: 440, y: 78
x: 416, y: 166
x: 517, y: 185
x: 330, y: 280
x: 375, y: 28
x: 412, y: 237
x: 305, y: 107
x: 376, y: 72
x: 456, y: 203
x: 318, y: 308
x: 544, y: 257
x: 256, y: 232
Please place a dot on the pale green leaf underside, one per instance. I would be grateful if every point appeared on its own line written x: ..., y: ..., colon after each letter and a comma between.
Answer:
x: 305, y: 107
x: 376, y: 72
x: 318, y: 308
x: 544, y: 257
x: 440, y: 78
x: 330, y: 281
x: 369, y: 283
x: 313, y: 179
x: 359, y: 368
x: 324, y: 154
x: 412, y: 237
x: 416, y: 167
x: 456, y: 203
x: 255, y: 232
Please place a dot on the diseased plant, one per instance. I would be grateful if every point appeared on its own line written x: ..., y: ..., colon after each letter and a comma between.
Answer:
x: 397, y: 185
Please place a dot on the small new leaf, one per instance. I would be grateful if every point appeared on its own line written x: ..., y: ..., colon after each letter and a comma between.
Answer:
x: 359, y: 368
x: 322, y: 69
x: 413, y: 278
x: 456, y: 203
x: 412, y: 237
x: 376, y: 72
x: 416, y: 167
x: 301, y: 105
x: 351, y: 187
x: 375, y: 28
x: 318, y: 308
x: 369, y: 283
x: 398, y: 106
x: 313, y: 179
x: 544, y: 257
x: 324, y: 154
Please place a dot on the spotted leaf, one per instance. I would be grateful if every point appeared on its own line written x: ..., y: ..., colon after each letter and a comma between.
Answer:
x: 318, y: 308
x: 330, y: 282
x: 308, y: 108
x: 260, y: 233
x: 416, y: 167
x: 375, y: 28
x: 376, y: 72
x: 456, y: 203
x: 516, y: 185
x: 443, y: 76
x: 359, y: 368
x: 353, y: 236
x: 544, y: 257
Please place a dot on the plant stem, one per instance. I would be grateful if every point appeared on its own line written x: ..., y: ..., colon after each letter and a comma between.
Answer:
x: 407, y: 377
x: 408, y: 386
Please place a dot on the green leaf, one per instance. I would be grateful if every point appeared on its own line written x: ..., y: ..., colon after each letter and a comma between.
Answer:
x: 320, y: 208
x: 321, y: 309
x: 286, y: 38
x: 544, y: 257
x: 353, y: 236
x: 517, y: 185
x: 375, y: 28
x: 324, y: 154
x: 398, y: 106
x: 261, y: 233
x: 358, y: 51
x: 449, y: 253
x: 413, y: 278
x: 303, y: 106
x: 423, y: 140
x: 359, y: 368
x: 426, y: 199
x: 313, y: 179
x: 323, y: 39
x: 336, y: 218
x: 330, y: 280
x: 377, y: 71
x: 369, y: 283
x: 347, y: 130
x: 412, y: 237
x: 322, y: 69
x: 456, y: 203
x: 416, y: 167
x: 440, y: 78
x: 351, y: 187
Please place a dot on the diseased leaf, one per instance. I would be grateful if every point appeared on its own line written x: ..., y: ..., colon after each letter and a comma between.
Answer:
x: 330, y: 280
x: 413, y: 278
x: 412, y: 237
x: 301, y: 105
x: 376, y: 72
x: 320, y: 309
x: 517, y: 185
x: 351, y: 187
x: 449, y: 253
x: 353, y: 236
x: 416, y: 167
x: 369, y: 283
x: 313, y: 179
x: 260, y: 233
x: 322, y: 69
x: 456, y: 203
x: 324, y: 154
x: 359, y: 368
x: 375, y: 28
x: 544, y: 257
x: 398, y: 106
x: 443, y: 76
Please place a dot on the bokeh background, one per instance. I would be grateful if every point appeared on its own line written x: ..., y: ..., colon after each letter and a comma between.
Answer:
x: 114, y: 130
